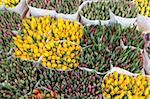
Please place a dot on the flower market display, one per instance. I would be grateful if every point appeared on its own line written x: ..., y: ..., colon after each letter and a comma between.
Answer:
x: 74, y: 49
x: 100, y: 10
x: 121, y: 86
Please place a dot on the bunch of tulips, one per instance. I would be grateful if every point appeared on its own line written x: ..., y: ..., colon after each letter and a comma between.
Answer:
x: 61, y: 6
x: 122, y: 86
x: 143, y: 7
x: 95, y: 57
x: 41, y: 37
x: 61, y: 55
x: 132, y: 37
x: 69, y: 84
x: 100, y: 10
x: 17, y: 77
x: 92, y: 35
x: 5, y: 40
x: 108, y: 36
x: 10, y: 21
x: 48, y: 28
x: 111, y: 36
x: 128, y: 59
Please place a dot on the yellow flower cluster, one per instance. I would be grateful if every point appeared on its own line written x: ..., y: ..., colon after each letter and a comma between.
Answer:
x: 143, y: 7
x: 37, y: 28
x: 61, y: 55
x: 38, y: 39
x: 119, y: 86
x: 28, y: 48
x: 1, y: 2
x: 11, y: 3
x: 66, y: 30
x: 30, y: 44
x: 56, y: 29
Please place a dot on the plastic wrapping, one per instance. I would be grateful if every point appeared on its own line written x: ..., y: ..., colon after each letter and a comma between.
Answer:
x: 143, y: 23
x: 68, y: 16
x: 125, y: 22
x: 146, y: 53
x: 146, y: 62
x: 41, y: 12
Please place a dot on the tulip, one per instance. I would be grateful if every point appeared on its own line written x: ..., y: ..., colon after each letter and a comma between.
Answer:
x: 128, y: 59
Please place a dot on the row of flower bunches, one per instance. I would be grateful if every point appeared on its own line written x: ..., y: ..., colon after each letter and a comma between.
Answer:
x: 96, y: 10
x: 68, y: 45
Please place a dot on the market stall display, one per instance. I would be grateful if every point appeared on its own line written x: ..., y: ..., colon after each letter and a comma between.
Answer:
x: 74, y: 49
